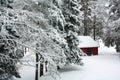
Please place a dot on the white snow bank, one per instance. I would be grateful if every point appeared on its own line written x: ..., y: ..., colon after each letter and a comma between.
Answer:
x: 106, y: 50
x: 27, y: 73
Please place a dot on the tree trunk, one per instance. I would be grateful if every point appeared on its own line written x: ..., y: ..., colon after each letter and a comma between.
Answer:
x: 85, y: 6
x: 46, y: 63
x: 94, y: 21
x: 94, y: 27
x: 37, y: 68
x: 41, y: 69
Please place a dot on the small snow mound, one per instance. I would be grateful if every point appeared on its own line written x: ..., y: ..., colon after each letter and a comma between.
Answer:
x: 106, y: 50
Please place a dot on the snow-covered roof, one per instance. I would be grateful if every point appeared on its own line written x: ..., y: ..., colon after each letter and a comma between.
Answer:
x: 87, y: 41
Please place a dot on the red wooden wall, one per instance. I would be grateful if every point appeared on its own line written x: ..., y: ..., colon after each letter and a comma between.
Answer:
x: 94, y: 50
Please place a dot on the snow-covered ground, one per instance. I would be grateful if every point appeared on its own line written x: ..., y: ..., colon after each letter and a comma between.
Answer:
x: 96, y: 68
x: 104, y: 66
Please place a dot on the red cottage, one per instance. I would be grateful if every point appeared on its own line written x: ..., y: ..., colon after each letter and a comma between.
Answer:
x: 88, y: 45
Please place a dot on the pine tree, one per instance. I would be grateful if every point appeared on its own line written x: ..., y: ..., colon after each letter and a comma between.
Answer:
x: 70, y: 9
x: 10, y: 53
x: 57, y: 19
x: 116, y: 11
x: 42, y: 36
x: 6, y: 3
x: 40, y: 26
x: 112, y: 36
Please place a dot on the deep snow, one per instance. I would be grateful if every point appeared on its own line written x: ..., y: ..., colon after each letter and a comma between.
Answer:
x: 104, y: 66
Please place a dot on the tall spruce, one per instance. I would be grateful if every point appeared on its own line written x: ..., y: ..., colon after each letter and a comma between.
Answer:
x: 10, y: 52
x: 112, y: 36
x: 71, y: 12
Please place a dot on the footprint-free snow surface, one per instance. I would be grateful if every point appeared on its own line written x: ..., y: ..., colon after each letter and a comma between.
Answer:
x: 104, y: 66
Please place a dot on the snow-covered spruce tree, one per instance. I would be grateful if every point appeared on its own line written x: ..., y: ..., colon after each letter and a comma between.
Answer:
x: 24, y: 25
x: 34, y: 33
x: 56, y: 21
x: 70, y: 9
x: 112, y: 36
x: 41, y: 37
x: 38, y: 35
x: 10, y: 52
x: 6, y: 3
x: 52, y: 11
x: 71, y: 12
x: 117, y: 42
